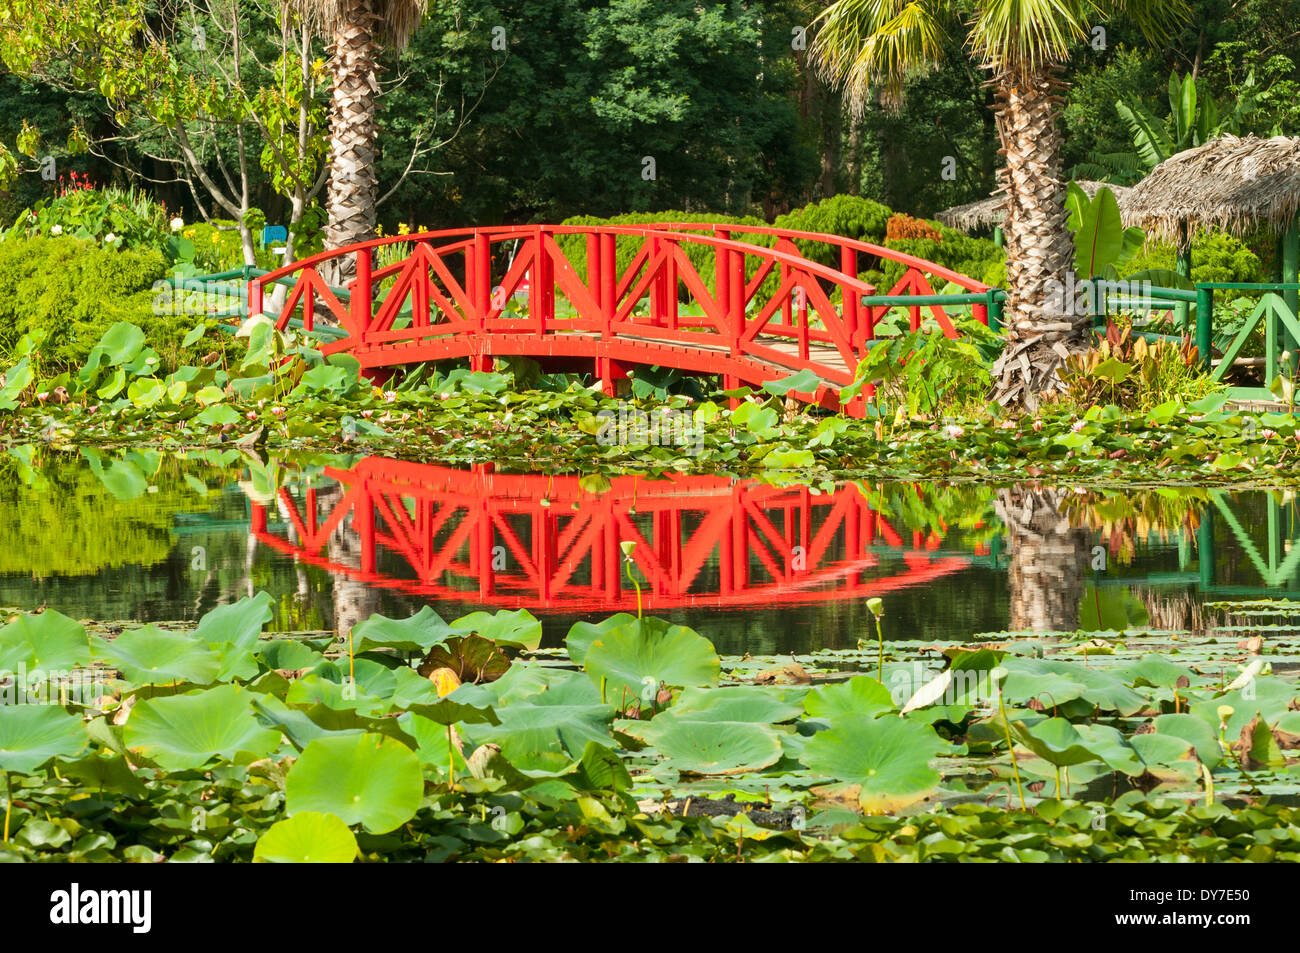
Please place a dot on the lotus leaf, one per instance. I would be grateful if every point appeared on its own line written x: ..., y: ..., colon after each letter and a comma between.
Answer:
x: 365, y: 779
x: 889, y: 758
x: 182, y: 732
x: 32, y: 735
x: 307, y: 838
x: 633, y: 659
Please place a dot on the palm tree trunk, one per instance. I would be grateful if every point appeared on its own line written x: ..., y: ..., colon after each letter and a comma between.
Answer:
x: 1041, y: 330
x: 353, y: 186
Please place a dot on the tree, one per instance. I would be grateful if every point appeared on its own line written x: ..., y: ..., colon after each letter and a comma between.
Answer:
x: 356, y: 31
x: 1194, y: 119
x: 201, y: 87
x: 874, y: 46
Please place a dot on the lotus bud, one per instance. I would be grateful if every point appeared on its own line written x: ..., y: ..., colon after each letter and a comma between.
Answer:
x: 445, y: 681
x: 628, y: 546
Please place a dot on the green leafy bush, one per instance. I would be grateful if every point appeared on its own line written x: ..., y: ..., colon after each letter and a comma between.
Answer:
x: 848, y: 215
x: 1216, y: 256
x: 72, y: 291
x: 700, y: 255
x: 955, y: 250
x: 113, y: 216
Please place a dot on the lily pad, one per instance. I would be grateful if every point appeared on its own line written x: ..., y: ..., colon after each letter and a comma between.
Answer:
x: 364, y: 779
x: 33, y: 735
x: 153, y: 656
x: 888, y: 757
x: 859, y: 694
x: 307, y: 838
x: 182, y: 732
x: 713, y: 747
x: 48, y: 641
x: 635, y: 658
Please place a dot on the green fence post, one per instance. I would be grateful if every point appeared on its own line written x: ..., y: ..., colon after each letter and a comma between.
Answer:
x: 1183, y: 266
x: 994, y: 310
x: 1290, y: 275
x: 1205, y: 325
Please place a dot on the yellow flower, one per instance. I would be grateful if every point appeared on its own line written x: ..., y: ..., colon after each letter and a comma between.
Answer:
x: 403, y: 229
x: 444, y: 681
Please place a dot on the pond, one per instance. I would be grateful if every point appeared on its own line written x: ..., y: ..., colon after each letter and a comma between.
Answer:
x: 757, y: 567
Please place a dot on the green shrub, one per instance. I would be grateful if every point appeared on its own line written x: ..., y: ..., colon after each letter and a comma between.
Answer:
x: 955, y: 251
x: 848, y: 215
x: 1216, y: 256
x: 75, y: 290
x: 126, y: 218
x: 700, y: 255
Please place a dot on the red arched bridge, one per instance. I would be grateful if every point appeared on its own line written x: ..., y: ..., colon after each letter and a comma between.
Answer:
x: 551, y: 543
x: 747, y: 304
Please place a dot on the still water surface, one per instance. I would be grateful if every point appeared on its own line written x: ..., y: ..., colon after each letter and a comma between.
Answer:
x: 755, y: 567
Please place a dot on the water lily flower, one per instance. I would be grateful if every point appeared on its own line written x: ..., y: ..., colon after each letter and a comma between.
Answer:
x: 1268, y: 434
x: 279, y: 411
x: 1038, y: 425
x: 110, y: 238
x: 367, y: 413
x: 390, y: 396
x: 955, y: 432
x: 251, y: 415
x: 1078, y: 425
x: 56, y: 229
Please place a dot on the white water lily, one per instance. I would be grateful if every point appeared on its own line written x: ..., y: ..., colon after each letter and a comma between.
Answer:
x: 110, y: 238
x: 56, y: 229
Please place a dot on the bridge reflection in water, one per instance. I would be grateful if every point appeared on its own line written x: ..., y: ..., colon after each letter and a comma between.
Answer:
x: 553, y: 543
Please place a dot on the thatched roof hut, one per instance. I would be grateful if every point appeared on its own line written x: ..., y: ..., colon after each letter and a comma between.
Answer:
x: 1234, y: 184
x: 990, y: 211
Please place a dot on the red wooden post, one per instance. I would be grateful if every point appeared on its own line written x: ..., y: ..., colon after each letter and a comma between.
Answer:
x: 309, y: 308
x: 608, y: 282
x: 670, y: 282
x: 543, y: 285
x: 420, y: 293
x: 481, y: 260
x: 254, y: 297
x: 787, y: 312
x: 593, y: 265
x: 658, y: 307
x: 736, y: 307
x: 722, y: 269
x: 849, y: 299
x: 361, y: 292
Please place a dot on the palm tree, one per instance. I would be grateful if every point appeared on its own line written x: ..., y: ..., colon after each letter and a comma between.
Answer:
x: 874, y: 46
x: 356, y: 31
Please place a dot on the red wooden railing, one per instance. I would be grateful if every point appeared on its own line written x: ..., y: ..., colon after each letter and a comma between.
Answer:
x: 546, y: 543
x: 767, y: 313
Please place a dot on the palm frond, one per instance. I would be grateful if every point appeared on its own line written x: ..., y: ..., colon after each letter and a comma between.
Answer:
x: 1157, y: 19
x: 396, y: 19
x: 876, y: 44
x: 1019, y: 36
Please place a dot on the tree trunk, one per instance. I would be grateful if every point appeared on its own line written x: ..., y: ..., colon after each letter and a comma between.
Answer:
x: 1042, y: 330
x: 353, y: 187
x: 1047, y: 561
